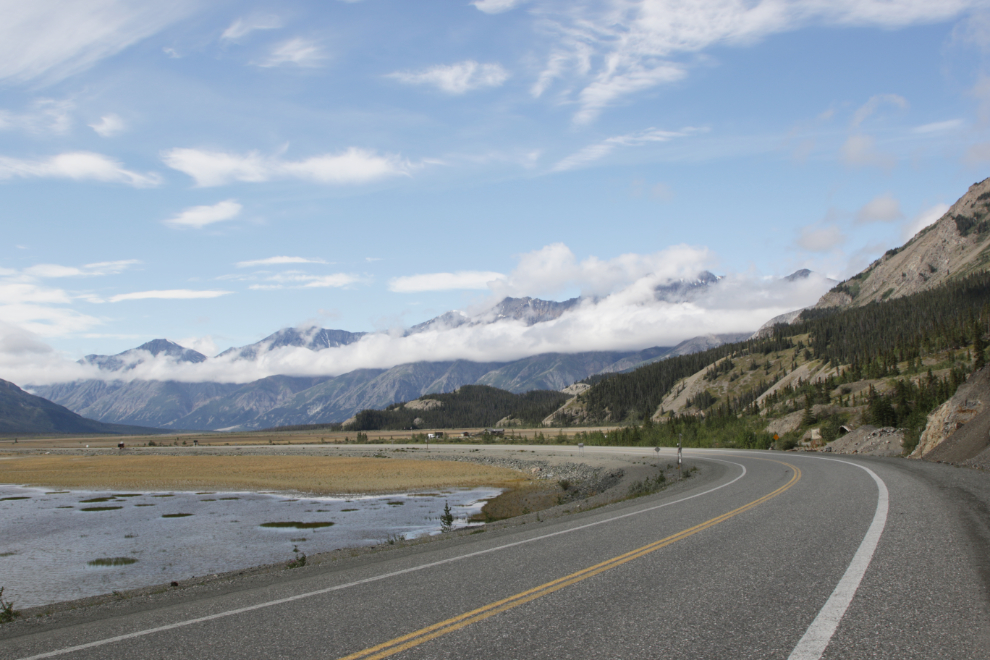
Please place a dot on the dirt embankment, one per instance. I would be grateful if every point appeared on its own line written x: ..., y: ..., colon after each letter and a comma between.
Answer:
x: 959, y: 429
x: 871, y: 441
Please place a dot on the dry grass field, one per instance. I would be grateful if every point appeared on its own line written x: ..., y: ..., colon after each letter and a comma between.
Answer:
x: 255, y: 438
x: 324, y: 475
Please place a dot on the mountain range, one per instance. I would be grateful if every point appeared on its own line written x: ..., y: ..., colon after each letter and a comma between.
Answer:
x: 293, y: 400
x: 956, y: 245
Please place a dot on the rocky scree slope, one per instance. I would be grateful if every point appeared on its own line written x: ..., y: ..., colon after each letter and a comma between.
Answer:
x: 957, y: 245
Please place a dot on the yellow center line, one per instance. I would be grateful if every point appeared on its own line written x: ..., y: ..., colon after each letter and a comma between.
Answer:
x: 418, y: 637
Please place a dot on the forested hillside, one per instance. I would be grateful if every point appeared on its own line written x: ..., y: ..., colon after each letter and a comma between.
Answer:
x: 471, y: 406
x: 887, y: 364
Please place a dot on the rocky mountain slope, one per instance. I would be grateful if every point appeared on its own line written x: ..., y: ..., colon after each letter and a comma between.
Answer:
x: 291, y: 401
x: 957, y: 245
x: 287, y: 400
x: 25, y: 413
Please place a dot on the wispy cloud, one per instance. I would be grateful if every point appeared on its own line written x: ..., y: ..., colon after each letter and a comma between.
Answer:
x: 353, y: 166
x: 79, y: 166
x: 274, y: 261
x: 242, y: 27
x: 610, y: 50
x: 456, y: 78
x: 201, y: 216
x: 98, y: 269
x: 109, y: 125
x: 45, y: 116
x: 52, y: 39
x: 39, y: 309
x: 465, y: 279
x: 496, y: 6
x: 939, y: 127
x: 599, y: 150
x: 169, y: 294
x: 872, y: 106
x: 297, y: 52
x: 294, y: 279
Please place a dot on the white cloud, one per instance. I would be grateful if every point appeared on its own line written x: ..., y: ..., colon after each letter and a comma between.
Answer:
x: 353, y: 166
x: 629, y: 318
x: 201, y: 216
x: 601, y: 149
x: 245, y: 26
x: 297, y: 51
x: 204, y: 345
x: 496, y: 6
x: 294, y: 279
x: 925, y: 218
x: 170, y: 294
x: 41, y: 310
x: 52, y: 39
x: 820, y: 238
x: 939, y: 127
x: 554, y: 269
x: 613, y: 49
x: 608, y: 88
x: 79, y: 166
x: 883, y: 208
x: 109, y: 125
x: 274, y: 261
x: 456, y: 78
x: 465, y: 279
x: 89, y: 270
x: 870, y: 108
x: 861, y: 151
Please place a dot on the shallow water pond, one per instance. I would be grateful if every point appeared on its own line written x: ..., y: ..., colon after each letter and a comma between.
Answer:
x: 49, y: 539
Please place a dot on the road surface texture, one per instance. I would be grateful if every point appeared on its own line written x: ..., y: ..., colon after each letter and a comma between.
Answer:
x: 757, y: 555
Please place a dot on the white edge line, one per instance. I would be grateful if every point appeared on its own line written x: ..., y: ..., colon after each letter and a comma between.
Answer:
x: 816, y: 639
x: 289, y: 599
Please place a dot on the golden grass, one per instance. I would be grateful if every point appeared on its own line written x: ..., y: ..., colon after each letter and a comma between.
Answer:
x: 323, y: 475
x: 269, y: 437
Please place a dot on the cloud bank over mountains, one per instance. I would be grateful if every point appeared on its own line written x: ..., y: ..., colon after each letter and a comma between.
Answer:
x: 630, y: 317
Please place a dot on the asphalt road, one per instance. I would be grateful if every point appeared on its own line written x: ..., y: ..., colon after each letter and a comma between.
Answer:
x: 760, y: 555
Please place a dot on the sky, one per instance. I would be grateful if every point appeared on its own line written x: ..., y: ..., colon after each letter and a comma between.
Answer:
x: 211, y: 172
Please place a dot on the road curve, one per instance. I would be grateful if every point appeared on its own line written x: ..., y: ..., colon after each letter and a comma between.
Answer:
x: 760, y: 555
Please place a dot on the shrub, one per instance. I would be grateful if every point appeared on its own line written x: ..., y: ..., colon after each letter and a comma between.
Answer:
x: 446, y: 519
x: 7, y: 611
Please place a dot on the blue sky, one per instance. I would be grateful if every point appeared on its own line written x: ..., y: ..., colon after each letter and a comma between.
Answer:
x: 211, y: 172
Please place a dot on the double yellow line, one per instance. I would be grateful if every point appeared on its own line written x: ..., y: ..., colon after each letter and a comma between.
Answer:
x: 412, y: 639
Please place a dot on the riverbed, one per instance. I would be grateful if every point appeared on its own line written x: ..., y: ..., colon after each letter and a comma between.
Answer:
x: 64, y: 545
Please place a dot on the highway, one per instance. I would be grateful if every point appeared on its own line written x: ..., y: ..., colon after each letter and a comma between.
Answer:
x: 759, y: 555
